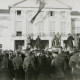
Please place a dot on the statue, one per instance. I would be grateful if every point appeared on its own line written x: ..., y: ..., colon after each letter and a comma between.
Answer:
x: 30, y: 42
x: 58, y: 40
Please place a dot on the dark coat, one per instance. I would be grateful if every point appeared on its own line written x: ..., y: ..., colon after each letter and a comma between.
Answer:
x: 75, y: 64
x: 29, y: 68
x: 38, y: 42
x: 59, y: 65
x: 17, y: 63
x: 44, y: 68
x: 5, y: 70
x: 70, y: 41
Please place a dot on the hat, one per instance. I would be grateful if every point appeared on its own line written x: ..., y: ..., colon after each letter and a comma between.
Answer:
x: 31, y: 49
x: 50, y: 49
x: 46, y: 49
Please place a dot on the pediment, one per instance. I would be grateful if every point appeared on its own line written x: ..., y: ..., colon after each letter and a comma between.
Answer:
x: 54, y: 4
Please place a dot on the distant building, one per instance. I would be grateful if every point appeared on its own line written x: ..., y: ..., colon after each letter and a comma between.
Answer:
x: 5, y: 33
x: 55, y: 17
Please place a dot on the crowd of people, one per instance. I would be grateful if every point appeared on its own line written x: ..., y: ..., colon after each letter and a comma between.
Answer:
x: 40, y: 65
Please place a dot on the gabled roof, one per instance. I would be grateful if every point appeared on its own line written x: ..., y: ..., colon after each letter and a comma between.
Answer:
x: 53, y: 4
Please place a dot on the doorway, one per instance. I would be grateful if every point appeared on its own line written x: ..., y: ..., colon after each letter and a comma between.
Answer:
x: 18, y: 44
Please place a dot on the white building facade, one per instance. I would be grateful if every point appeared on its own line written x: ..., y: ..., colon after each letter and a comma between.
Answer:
x: 55, y: 17
x: 5, y: 30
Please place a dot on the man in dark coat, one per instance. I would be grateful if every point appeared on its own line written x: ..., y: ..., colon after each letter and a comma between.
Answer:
x: 59, y: 65
x: 70, y: 42
x: 17, y: 63
x: 75, y: 66
x: 43, y: 68
x: 29, y: 67
x: 38, y: 42
x: 58, y: 39
x: 5, y: 68
x: 36, y: 63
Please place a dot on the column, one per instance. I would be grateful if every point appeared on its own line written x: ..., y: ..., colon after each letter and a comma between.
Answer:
x: 69, y: 28
x: 50, y: 43
x: 57, y: 25
x: 24, y: 23
x: 25, y: 44
x: 12, y: 28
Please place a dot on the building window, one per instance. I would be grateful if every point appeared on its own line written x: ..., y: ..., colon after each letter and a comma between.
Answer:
x: 18, y: 33
x: 52, y: 28
x: 18, y: 26
x: 77, y: 29
x: 29, y: 29
x: 76, y: 25
x: 51, y: 13
x: 41, y: 28
x: 63, y: 28
x: 18, y: 12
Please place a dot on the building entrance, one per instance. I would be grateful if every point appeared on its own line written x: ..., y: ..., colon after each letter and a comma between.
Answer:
x: 19, y: 44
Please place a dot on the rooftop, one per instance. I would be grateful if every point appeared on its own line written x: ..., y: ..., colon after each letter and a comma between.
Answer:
x: 55, y: 4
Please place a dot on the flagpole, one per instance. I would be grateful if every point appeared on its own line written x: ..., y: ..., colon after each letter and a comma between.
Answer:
x: 42, y: 4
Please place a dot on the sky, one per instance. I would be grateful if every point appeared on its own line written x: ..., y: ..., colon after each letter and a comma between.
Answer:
x: 75, y: 4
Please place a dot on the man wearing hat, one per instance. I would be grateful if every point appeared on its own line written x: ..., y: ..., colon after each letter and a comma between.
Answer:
x: 59, y: 65
x: 38, y: 42
x: 17, y: 63
x: 70, y: 42
x: 28, y: 66
x: 75, y: 66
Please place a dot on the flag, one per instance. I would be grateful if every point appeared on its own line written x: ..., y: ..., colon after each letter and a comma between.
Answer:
x: 41, y: 6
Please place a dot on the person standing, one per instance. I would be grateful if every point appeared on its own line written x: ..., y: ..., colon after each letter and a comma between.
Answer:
x: 17, y: 63
x: 38, y: 42
x: 58, y: 39
x: 70, y: 42
x: 43, y: 67
x: 75, y: 66
x: 59, y: 65
x: 28, y: 66
x: 4, y: 68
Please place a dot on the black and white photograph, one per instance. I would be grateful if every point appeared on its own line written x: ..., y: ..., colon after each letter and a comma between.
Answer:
x: 39, y: 39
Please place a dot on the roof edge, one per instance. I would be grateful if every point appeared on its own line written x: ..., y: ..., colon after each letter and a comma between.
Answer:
x: 64, y: 4
x: 44, y: 8
x: 15, y: 3
x: 12, y: 5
